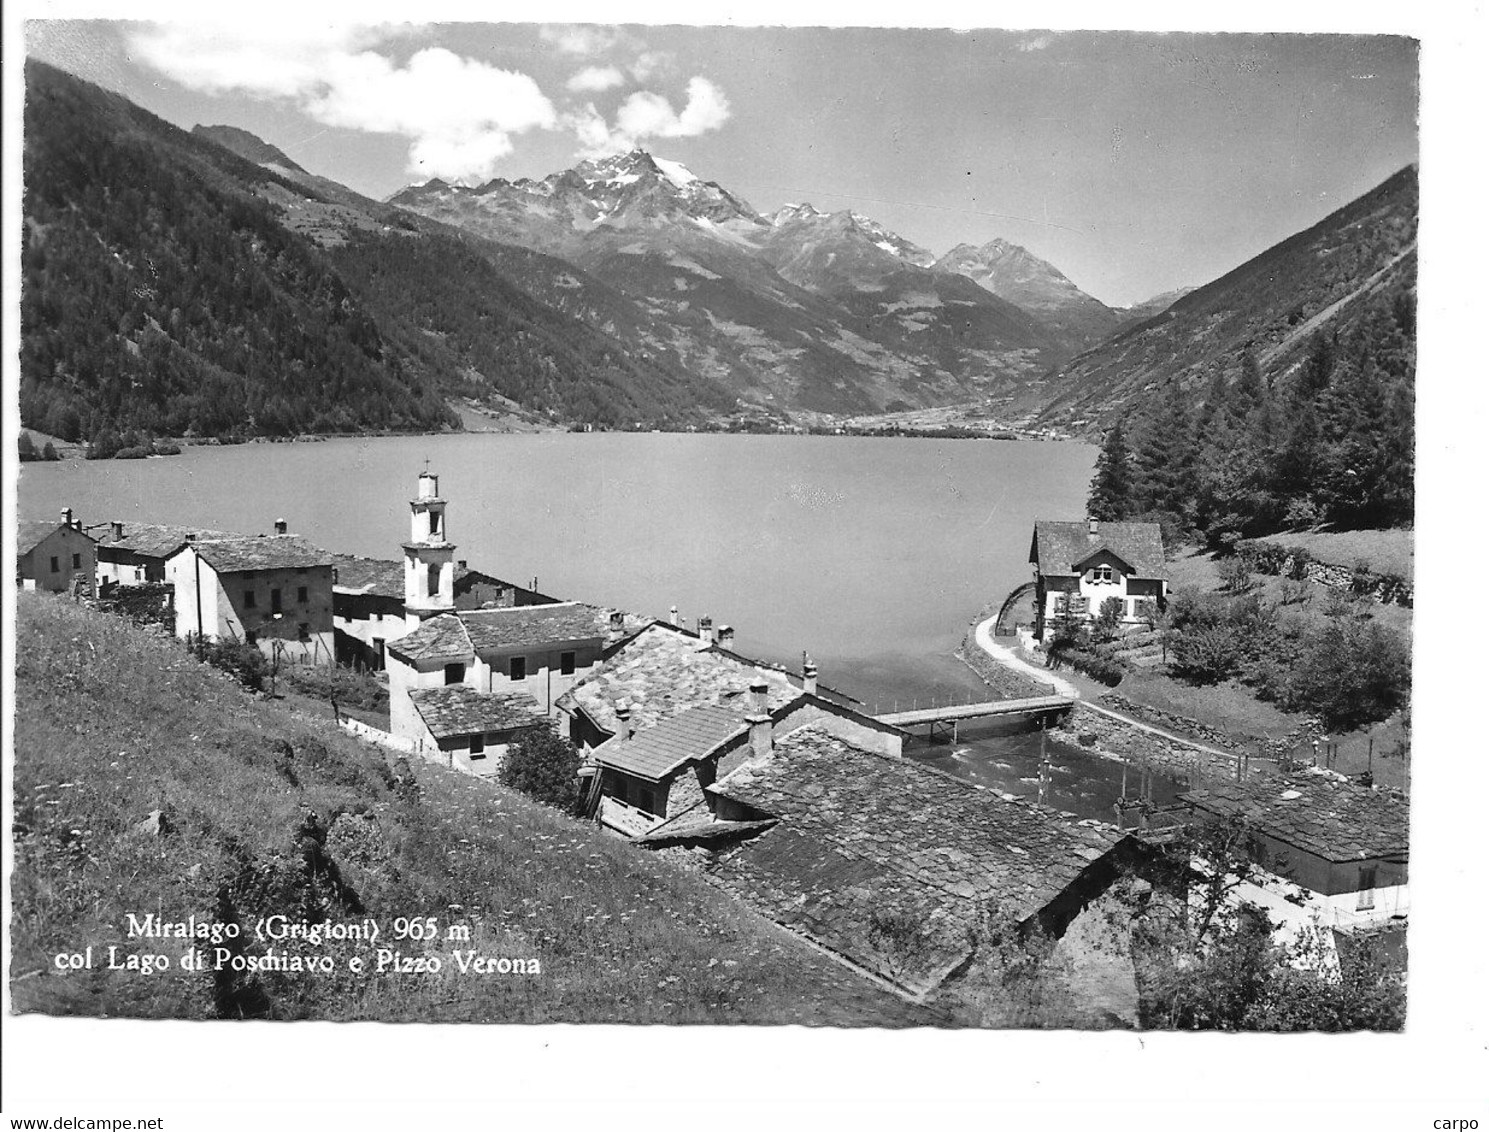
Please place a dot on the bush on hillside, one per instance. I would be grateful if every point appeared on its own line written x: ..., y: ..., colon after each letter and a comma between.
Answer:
x: 242, y: 661
x: 544, y: 766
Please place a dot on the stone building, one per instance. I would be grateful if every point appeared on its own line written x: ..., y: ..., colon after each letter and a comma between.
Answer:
x: 1332, y: 853
x: 272, y: 591
x: 905, y: 871
x: 54, y: 555
x: 369, y: 609
x: 130, y: 554
x: 1080, y: 565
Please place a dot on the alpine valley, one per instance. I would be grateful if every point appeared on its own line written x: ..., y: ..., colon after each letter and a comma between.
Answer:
x: 202, y: 283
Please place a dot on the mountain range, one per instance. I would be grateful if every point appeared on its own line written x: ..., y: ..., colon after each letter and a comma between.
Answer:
x: 204, y: 282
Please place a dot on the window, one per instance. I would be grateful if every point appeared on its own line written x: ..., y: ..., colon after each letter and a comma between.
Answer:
x: 1101, y: 574
x: 77, y: 561
x: 55, y: 567
x: 276, y: 601
x: 434, y: 524
x: 1367, y: 888
x: 454, y: 674
x: 434, y: 579
x: 566, y: 663
x: 250, y: 599
x: 250, y: 637
x: 305, y: 630
x: 302, y: 595
x: 517, y: 669
x: 478, y: 746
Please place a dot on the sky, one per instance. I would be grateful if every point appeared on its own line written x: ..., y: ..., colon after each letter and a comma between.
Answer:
x: 1134, y: 162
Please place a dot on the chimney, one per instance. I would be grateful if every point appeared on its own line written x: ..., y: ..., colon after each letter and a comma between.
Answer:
x: 623, y: 718
x: 809, y: 677
x: 464, y: 564
x: 705, y: 627
x: 1091, y: 525
x: 67, y: 516
x: 281, y: 527
x: 726, y: 636
x: 116, y: 530
x: 761, y: 740
x: 617, y: 621
x: 672, y: 616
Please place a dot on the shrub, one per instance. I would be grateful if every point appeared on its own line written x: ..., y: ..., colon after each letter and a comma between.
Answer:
x: 544, y: 766
x: 163, y: 449
x: 1103, y: 668
x: 1235, y: 575
x: 1207, y: 654
x: 26, y: 447
x: 242, y: 661
x: 1362, y: 579
x: 49, y: 452
x: 1352, y: 673
x: 136, y: 453
x: 1108, y: 617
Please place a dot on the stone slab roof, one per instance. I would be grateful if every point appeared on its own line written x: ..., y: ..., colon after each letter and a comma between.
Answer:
x: 31, y: 532
x: 661, y: 672
x: 1058, y: 547
x: 1316, y: 811
x: 657, y: 751
x: 158, y: 540
x: 236, y: 554
x: 439, y: 638
x: 382, y: 577
x: 528, y: 626
x: 868, y: 841
x: 458, y: 709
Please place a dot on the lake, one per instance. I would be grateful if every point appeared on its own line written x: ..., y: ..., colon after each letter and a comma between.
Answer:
x: 872, y: 554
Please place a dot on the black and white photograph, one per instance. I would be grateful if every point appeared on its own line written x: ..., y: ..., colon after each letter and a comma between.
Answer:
x: 655, y: 532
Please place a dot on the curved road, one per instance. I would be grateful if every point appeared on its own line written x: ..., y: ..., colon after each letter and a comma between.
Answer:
x: 1010, y: 659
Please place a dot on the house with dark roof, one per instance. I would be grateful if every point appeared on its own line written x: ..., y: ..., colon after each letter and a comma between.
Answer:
x: 272, y: 591
x: 1332, y: 852
x: 1079, y: 566
x: 472, y: 730
x: 538, y: 650
x: 899, y: 868
x: 54, y: 554
x: 644, y: 777
x: 663, y: 669
x: 369, y: 604
x: 131, y: 554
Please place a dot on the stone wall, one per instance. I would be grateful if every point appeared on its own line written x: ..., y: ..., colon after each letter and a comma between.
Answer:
x: 1117, y: 739
x: 1266, y: 557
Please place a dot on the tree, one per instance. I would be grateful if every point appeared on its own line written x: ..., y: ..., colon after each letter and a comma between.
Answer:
x: 26, y: 447
x: 545, y: 766
x: 1111, y: 486
x: 49, y: 452
x: 1207, y: 961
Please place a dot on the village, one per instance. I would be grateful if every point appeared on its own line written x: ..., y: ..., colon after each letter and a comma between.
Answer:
x: 787, y: 793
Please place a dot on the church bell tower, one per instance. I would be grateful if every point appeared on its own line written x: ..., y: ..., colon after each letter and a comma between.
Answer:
x: 428, y: 557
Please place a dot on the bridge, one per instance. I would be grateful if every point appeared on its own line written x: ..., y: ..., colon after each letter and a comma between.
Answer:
x: 951, y: 715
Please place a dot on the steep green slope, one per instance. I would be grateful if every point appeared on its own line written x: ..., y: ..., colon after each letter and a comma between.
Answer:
x: 269, y: 812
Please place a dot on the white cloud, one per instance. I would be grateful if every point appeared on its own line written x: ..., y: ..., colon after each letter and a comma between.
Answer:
x: 459, y: 114
x: 596, y: 79
x: 583, y: 39
x: 645, y: 114
x: 1038, y: 43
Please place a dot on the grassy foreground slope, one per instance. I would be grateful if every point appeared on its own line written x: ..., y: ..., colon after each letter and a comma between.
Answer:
x: 112, y: 723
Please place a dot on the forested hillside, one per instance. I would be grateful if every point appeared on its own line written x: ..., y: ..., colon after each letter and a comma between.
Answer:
x: 171, y: 287
x: 1270, y: 307
x: 1328, y: 440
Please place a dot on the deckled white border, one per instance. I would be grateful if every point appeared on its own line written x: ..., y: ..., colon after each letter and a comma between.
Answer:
x: 202, y: 1075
